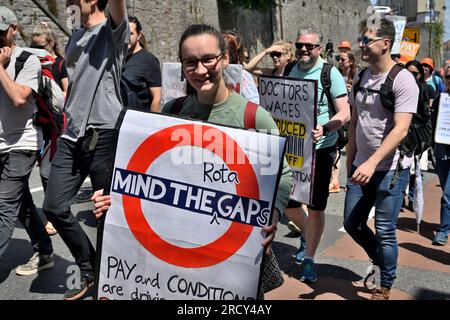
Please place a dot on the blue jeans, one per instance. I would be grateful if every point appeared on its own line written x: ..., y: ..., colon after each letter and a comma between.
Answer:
x: 442, y: 153
x: 381, y: 247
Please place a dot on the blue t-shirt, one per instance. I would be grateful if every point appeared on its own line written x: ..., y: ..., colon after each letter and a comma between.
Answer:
x: 338, y: 89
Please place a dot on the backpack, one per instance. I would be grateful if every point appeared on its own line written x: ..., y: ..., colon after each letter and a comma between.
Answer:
x: 419, y: 136
x: 49, y: 99
x: 325, y: 80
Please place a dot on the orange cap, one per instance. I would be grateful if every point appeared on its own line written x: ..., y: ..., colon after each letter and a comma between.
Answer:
x: 345, y: 45
x: 427, y: 61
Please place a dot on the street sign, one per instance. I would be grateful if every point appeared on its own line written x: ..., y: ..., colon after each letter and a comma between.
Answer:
x: 411, y: 35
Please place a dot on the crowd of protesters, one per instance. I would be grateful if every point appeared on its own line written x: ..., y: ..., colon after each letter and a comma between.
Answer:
x: 105, y: 67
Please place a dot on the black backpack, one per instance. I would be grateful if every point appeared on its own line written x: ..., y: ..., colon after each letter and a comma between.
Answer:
x: 419, y: 137
x: 325, y: 79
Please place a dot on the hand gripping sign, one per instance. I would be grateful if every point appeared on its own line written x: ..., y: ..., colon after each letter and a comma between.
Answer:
x: 189, y: 201
x: 293, y: 105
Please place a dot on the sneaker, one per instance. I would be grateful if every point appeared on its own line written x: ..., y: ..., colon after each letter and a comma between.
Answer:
x: 79, y: 293
x: 301, y: 252
x: 381, y: 294
x: 308, y: 274
x: 440, y: 239
x: 38, y: 262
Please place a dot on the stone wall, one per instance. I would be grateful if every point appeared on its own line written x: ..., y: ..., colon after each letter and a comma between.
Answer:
x: 164, y: 20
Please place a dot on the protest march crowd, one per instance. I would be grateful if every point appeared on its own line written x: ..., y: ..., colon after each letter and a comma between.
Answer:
x: 60, y: 111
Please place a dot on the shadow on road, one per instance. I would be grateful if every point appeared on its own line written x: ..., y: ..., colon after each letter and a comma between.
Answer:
x: 429, y: 253
x: 409, y: 224
x: 87, y: 217
x: 52, y: 281
x: 427, y: 294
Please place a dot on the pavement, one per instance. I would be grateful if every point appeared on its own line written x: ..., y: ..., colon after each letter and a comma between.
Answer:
x: 423, y: 270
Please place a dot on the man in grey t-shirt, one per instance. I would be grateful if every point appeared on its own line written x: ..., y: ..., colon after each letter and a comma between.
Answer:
x: 94, y: 57
x: 375, y: 132
x: 20, y: 142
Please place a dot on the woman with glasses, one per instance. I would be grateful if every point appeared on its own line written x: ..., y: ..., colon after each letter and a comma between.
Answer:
x: 204, y: 56
x: 281, y: 52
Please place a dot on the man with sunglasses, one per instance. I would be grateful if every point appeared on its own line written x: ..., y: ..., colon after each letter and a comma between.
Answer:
x: 375, y: 133
x: 332, y: 115
x: 20, y: 141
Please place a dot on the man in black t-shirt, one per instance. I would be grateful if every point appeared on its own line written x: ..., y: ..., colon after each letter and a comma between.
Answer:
x: 141, y: 75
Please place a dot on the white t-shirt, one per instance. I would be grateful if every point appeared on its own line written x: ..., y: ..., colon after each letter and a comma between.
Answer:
x: 17, y: 131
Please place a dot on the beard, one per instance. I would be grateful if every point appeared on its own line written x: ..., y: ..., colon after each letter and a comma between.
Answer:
x: 306, y: 65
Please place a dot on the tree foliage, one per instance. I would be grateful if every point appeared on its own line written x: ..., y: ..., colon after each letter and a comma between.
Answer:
x: 261, y: 5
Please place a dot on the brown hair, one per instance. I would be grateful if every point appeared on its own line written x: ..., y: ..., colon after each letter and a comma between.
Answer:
x: 235, y: 46
x: 351, y: 57
x: 196, y: 30
x: 385, y: 29
x: 44, y: 29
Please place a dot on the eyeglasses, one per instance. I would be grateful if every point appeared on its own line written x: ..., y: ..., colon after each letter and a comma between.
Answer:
x: 275, y: 54
x: 366, y: 40
x: 208, y: 61
x: 339, y: 59
x: 308, y: 46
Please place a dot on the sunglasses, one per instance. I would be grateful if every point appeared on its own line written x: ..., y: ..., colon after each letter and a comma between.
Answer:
x: 338, y: 59
x: 415, y: 74
x: 275, y: 54
x: 308, y: 46
x: 36, y: 46
x: 366, y: 40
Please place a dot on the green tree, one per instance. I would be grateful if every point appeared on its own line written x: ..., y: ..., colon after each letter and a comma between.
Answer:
x: 438, y: 35
x: 262, y: 5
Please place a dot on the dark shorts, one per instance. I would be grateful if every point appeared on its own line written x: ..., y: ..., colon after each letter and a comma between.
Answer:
x: 322, y: 175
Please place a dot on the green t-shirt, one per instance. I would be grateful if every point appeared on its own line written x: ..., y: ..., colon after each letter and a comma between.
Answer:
x: 338, y: 89
x: 231, y: 113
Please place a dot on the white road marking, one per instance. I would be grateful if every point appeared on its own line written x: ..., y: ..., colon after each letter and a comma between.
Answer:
x: 35, y: 190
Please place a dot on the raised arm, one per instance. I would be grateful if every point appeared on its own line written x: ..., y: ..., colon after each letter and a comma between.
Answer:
x: 118, y: 11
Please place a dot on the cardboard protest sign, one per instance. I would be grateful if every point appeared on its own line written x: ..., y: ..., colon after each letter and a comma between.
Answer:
x: 408, y: 51
x: 293, y: 105
x: 189, y: 201
x: 399, y: 24
x: 443, y: 120
x: 174, y: 81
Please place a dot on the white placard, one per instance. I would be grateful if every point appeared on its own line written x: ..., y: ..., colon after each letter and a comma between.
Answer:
x: 293, y: 105
x: 189, y: 201
x: 443, y: 120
